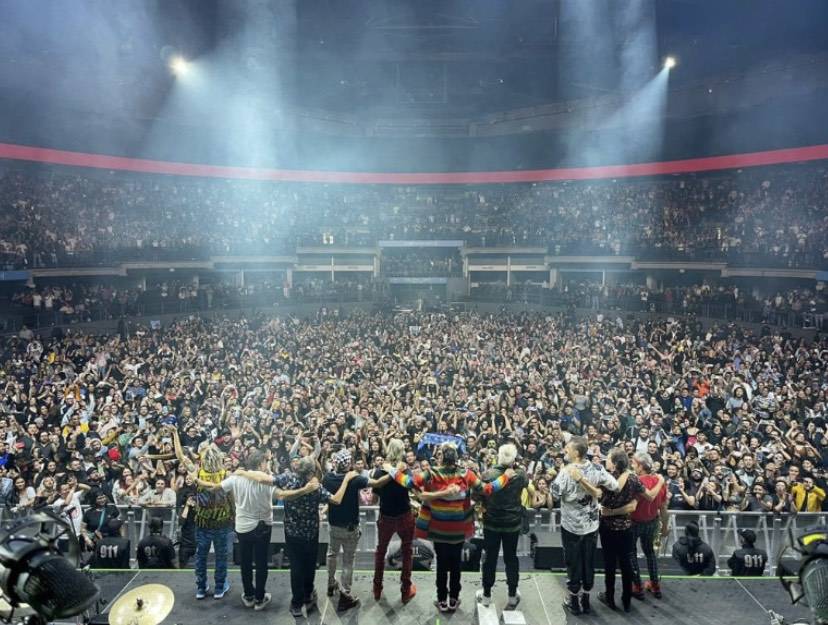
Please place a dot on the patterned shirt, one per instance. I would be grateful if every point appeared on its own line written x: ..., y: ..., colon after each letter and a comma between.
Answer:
x: 579, y: 509
x: 302, y: 513
x: 632, y: 489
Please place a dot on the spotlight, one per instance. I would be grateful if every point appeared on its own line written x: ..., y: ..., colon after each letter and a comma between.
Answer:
x: 179, y: 65
x: 670, y: 62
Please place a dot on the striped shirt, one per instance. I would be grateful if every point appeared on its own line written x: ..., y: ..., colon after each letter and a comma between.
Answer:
x: 451, y: 519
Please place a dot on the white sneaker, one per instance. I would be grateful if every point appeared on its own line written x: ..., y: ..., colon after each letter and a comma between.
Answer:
x: 482, y: 599
x: 513, y: 602
x: 261, y: 605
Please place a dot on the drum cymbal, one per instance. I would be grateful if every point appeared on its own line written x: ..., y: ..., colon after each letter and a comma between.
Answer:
x: 149, y: 604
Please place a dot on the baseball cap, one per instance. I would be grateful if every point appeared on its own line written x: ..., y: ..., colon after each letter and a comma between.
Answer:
x: 749, y: 536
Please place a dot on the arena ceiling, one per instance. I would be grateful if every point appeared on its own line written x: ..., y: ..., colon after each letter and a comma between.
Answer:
x: 431, y: 59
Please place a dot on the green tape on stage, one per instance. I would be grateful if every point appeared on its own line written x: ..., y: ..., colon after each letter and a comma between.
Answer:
x: 421, y: 573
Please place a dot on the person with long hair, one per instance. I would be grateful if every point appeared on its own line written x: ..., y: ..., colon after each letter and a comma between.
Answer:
x: 616, y: 528
x: 448, y: 519
x: 648, y: 517
x: 214, y: 515
x: 395, y: 517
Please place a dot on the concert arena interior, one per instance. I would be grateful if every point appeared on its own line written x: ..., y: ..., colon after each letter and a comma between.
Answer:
x: 436, y: 311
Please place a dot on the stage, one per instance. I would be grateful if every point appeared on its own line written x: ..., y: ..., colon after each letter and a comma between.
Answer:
x: 687, y: 601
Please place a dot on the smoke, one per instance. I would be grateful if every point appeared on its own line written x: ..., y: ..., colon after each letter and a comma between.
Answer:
x: 613, y: 76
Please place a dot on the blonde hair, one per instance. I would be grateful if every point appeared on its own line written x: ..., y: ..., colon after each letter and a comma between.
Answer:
x: 212, y: 459
x: 394, y: 451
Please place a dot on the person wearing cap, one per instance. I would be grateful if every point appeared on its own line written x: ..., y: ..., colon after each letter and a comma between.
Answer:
x: 302, y: 503
x: 344, y: 526
x: 156, y: 551
x: 112, y: 551
x: 749, y: 561
x: 693, y: 555
x: 648, y: 515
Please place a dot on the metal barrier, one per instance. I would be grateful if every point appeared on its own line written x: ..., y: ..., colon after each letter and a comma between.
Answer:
x: 718, y: 529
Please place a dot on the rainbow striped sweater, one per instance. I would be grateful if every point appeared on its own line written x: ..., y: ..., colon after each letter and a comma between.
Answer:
x: 448, y: 520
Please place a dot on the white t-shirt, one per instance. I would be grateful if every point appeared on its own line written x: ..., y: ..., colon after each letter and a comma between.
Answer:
x: 72, y: 512
x: 254, y: 502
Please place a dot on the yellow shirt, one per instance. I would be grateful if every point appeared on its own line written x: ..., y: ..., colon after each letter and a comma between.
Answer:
x: 808, y: 501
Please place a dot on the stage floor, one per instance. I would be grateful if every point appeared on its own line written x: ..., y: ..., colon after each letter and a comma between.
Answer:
x: 687, y: 601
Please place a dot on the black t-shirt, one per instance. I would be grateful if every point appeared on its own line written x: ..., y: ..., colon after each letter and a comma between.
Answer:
x: 394, y: 500
x: 347, y: 513
x: 111, y: 552
x: 95, y: 518
x: 156, y: 552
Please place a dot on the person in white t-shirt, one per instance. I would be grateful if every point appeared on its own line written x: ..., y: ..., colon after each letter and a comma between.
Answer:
x: 68, y: 505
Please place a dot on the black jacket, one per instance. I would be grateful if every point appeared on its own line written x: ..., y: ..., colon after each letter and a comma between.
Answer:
x: 503, y: 510
x: 748, y: 562
x: 694, y: 556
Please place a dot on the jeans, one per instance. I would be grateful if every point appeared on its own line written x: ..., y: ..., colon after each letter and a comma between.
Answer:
x: 492, y: 540
x: 347, y: 540
x: 449, y: 558
x: 302, y: 554
x: 645, y: 533
x: 402, y: 526
x: 254, y: 548
x: 618, y: 548
x: 579, y: 555
x: 204, y: 538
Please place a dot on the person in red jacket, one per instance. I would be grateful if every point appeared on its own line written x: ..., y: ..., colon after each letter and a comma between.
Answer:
x: 448, y: 519
x: 645, y: 520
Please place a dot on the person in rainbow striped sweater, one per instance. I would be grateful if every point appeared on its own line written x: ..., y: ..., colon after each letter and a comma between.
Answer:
x: 447, y: 516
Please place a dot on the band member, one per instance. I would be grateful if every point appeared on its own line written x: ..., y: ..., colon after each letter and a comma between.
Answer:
x: 301, y: 524
x: 502, y: 522
x: 448, y: 518
x: 616, y: 529
x: 395, y: 518
x: 214, y: 512
x: 343, y: 521
x: 647, y: 518
x: 578, y: 487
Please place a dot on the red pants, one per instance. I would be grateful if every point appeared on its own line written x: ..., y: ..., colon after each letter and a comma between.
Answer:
x: 403, y: 526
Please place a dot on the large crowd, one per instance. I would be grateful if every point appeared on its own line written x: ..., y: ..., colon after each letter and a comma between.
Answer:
x: 735, y: 421
x: 771, y: 216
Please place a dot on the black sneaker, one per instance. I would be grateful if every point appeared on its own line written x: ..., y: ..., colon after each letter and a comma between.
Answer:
x: 346, y: 602
x: 310, y: 603
x: 453, y: 604
x: 573, y: 605
x: 442, y: 606
x: 607, y: 600
x: 296, y: 611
